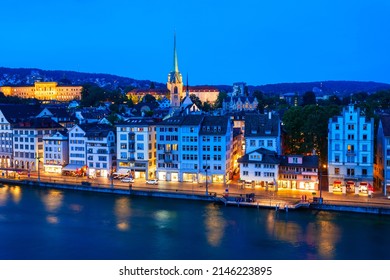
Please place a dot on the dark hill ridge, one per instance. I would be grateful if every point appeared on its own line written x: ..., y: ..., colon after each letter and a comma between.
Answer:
x: 27, y: 76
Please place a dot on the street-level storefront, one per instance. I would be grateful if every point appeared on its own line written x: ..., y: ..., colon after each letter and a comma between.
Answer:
x: 337, y: 187
x: 190, y: 177
x: 350, y: 186
x: 93, y: 173
x: 52, y: 168
x: 307, y: 185
x: 168, y: 176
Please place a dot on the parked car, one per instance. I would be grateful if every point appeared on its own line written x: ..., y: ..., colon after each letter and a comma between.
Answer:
x: 127, y: 180
x: 152, y: 181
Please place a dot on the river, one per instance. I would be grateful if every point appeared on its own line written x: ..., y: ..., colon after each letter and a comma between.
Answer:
x: 49, y: 224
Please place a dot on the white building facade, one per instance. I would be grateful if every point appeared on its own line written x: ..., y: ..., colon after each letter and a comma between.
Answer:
x: 262, y: 131
x: 56, y: 152
x: 350, y: 151
x: 192, y: 148
x: 28, y: 142
x: 260, y: 168
x: 136, y: 147
x: 77, y: 147
x: 100, y: 151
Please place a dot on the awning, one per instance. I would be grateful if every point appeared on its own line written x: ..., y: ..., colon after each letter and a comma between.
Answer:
x: 350, y: 182
x: 363, y: 184
x: 337, y: 183
x: 122, y: 171
x: 72, y: 167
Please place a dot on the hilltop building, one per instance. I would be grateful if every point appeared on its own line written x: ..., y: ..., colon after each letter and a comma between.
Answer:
x: 239, y: 100
x: 46, y: 91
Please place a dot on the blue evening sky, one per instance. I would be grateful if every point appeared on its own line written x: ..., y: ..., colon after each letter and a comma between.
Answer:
x: 218, y: 42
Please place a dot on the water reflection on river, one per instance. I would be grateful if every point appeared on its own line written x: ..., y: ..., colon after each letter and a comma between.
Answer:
x: 55, y: 224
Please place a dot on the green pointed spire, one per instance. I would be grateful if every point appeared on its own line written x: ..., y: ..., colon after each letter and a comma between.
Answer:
x: 175, y: 63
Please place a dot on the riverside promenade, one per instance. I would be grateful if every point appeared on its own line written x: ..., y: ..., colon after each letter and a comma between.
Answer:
x: 228, y: 194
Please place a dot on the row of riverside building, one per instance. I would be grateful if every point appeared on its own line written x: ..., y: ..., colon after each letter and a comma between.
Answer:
x: 195, y: 148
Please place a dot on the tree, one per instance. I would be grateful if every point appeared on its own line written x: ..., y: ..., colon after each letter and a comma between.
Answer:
x: 206, y: 106
x: 148, y: 98
x: 309, y: 98
x: 221, y: 96
x: 306, y: 129
x: 92, y: 95
x: 195, y: 99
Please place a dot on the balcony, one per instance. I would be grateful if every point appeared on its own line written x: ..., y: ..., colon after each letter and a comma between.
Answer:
x: 168, y: 160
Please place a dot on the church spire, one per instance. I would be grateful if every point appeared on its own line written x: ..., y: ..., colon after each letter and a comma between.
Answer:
x: 175, y: 63
x: 187, y: 90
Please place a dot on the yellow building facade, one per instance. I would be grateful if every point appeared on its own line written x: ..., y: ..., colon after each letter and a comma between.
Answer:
x: 44, y: 91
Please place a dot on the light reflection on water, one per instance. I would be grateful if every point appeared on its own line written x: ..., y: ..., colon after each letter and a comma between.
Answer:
x: 78, y: 225
x: 122, y: 213
x: 10, y: 192
x: 215, y: 225
x: 320, y: 236
x: 52, y: 200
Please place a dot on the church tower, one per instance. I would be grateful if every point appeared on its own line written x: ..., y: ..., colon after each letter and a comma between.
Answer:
x: 175, y: 80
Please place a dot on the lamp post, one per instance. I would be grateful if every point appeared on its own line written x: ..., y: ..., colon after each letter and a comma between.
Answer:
x: 322, y: 168
x: 38, y: 158
x: 207, y: 187
x: 111, y: 177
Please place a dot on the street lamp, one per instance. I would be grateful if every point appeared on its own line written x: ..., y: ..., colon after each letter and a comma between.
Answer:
x: 322, y: 167
x: 38, y: 158
x: 207, y: 187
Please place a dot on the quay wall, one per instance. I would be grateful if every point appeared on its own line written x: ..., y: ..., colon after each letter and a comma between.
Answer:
x: 91, y: 188
x: 199, y: 197
x: 351, y: 208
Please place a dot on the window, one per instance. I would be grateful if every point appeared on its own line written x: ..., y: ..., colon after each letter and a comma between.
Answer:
x: 364, y: 171
x: 364, y: 147
x: 364, y: 159
x: 337, y: 158
x: 140, y: 137
x: 140, y: 156
x: 337, y: 136
x: 351, y: 137
x: 350, y: 172
x: 244, y: 172
x: 252, y: 143
x: 123, y: 146
x: 140, y: 146
x: 364, y: 126
x: 337, y: 126
x: 261, y: 143
x: 350, y: 148
x: 123, y: 137
x: 269, y: 143
x: 364, y: 136
x: 337, y: 171
x: 350, y: 159
x: 257, y: 173
x: 244, y: 165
